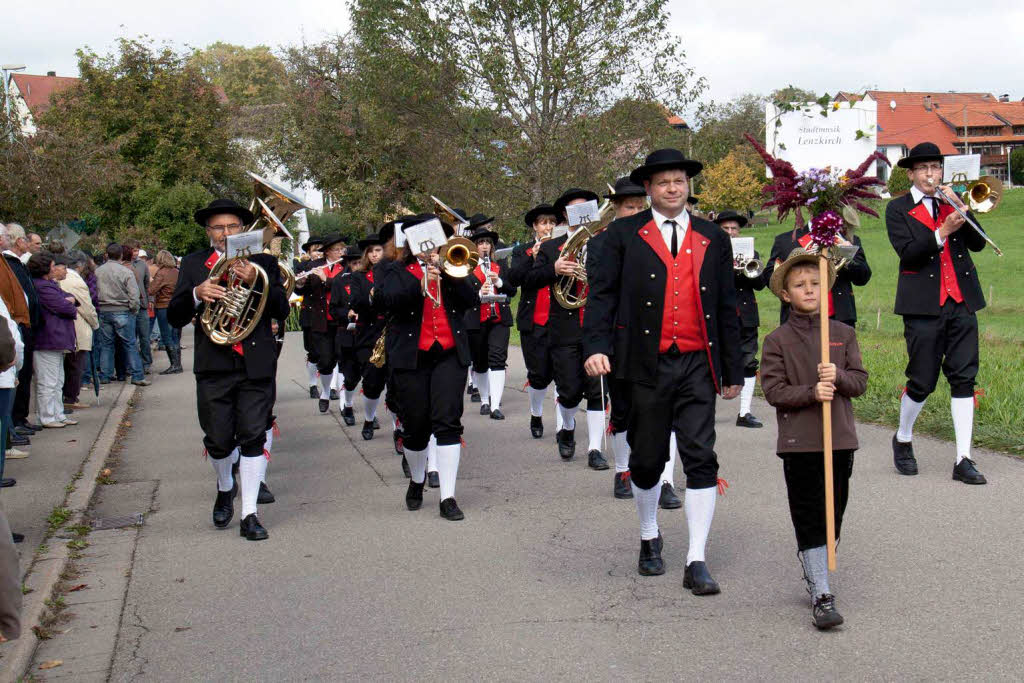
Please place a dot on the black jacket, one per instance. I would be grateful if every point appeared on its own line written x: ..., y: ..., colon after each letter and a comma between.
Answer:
x: 563, y: 324
x: 341, y: 303
x: 260, y: 347
x: 372, y: 317
x: 746, y: 300
x: 302, y: 267
x: 401, y: 294
x: 856, y: 272
x: 314, y: 296
x: 920, y: 277
x: 25, y: 280
x: 627, y: 297
x: 521, y: 263
x: 507, y: 288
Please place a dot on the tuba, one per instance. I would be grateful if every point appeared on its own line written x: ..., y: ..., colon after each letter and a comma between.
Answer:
x: 570, y: 291
x: 232, y: 318
x: 273, y: 205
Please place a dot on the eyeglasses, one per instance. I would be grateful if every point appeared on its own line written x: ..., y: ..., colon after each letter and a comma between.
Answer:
x: 229, y: 226
x: 928, y: 167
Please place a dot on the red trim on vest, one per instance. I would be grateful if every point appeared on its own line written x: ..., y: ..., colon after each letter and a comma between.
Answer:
x: 434, y: 326
x: 949, y: 288
x: 487, y: 309
x: 542, y: 309
x: 803, y: 242
x: 331, y: 272
x: 212, y: 260
x: 369, y: 275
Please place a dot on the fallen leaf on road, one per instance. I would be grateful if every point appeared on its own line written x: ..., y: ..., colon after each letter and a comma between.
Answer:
x: 106, y: 472
x: 52, y: 664
x: 78, y: 587
x: 72, y: 440
x: 179, y: 629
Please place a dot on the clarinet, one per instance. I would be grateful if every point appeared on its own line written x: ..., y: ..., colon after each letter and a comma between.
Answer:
x: 486, y: 260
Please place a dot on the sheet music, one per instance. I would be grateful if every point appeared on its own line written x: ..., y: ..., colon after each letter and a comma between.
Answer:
x: 743, y: 246
x: 425, y: 236
x: 244, y: 244
x: 585, y: 212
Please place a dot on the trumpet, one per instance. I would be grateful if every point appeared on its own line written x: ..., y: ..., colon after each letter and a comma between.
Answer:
x: 980, y: 195
x: 750, y: 267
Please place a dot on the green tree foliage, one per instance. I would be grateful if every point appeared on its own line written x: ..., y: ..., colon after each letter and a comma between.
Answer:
x: 247, y: 75
x: 1017, y: 166
x: 720, y: 129
x: 791, y: 94
x: 730, y: 184
x: 899, y: 182
x: 168, y: 211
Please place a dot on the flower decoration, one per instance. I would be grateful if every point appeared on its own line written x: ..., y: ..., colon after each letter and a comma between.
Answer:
x: 825, y: 229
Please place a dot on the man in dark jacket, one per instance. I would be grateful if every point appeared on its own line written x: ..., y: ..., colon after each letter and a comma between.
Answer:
x: 314, y: 247
x: 15, y: 247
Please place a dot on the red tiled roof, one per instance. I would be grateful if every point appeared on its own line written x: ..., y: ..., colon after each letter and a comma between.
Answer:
x: 36, y: 90
x: 909, y: 123
x: 676, y: 121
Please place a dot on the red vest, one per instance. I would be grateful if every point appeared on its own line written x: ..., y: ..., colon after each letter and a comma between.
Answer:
x: 331, y: 272
x: 804, y: 241
x: 434, y: 327
x: 487, y: 310
x: 681, y: 319
x: 950, y: 286
x: 542, y: 309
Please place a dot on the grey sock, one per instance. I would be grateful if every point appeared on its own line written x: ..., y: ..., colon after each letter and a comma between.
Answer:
x: 815, y: 562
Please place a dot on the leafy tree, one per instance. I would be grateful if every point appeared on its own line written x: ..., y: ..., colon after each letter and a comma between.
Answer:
x: 247, y: 75
x: 730, y: 184
x: 791, y: 94
x: 165, y: 215
x: 899, y: 183
x: 1017, y: 166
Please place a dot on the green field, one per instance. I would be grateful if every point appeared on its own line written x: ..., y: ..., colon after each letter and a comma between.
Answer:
x: 1000, y: 413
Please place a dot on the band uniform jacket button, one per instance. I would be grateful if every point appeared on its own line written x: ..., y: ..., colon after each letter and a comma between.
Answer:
x: 689, y: 251
x: 647, y: 331
x: 707, y: 316
x: 652, y: 276
x: 703, y: 288
x: 648, y: 304
x: 711, y: 343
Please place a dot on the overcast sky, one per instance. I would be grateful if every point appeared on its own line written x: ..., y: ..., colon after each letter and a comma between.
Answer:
x: 738, y: 45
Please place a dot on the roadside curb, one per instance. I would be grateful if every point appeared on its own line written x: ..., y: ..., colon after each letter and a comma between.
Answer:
x: 45, y: 571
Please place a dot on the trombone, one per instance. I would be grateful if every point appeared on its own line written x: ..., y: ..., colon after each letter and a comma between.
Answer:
x: 983, y: 195
x: 456, y: 258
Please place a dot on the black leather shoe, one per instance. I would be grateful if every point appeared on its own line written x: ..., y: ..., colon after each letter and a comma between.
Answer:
x: 34, y: 426
x: 450, y: 510
x: 621, y: 489
x: 470, y: 389
x: 566, y: 443
x: 496, y: 414
x: 536, y: 426
x: 251, y: 529
x: 24, y: 431
x: 16, y: 537
x: 399, y: 438
x: 474, y: 395
x: 485, y: 409
x: 824, y: 614
x: 414, y: 496
x: 903, y: 457
x: 650, y: 562
x: 748, y: 420
x: 348, y: 416
x: 405, y: 468
x: 223, y: 509
x: 334, y: 394
x: 8, y: 482
x: 367, y: 431
x: 433, y: 481
x: 596, y: 461
x: 324, y: 405
x: 16, y: 439
x: 668, y: 499
x: 264, y: 497
x: 314, y: 392
x: 698, y: 579
x: 376, y: 423
x: 966, y: 472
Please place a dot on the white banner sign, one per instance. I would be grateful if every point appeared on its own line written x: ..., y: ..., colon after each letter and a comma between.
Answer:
x: 806, y: 139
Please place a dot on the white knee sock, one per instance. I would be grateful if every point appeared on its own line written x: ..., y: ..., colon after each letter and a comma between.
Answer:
x: 349, y: 397
x: 669, y: 473
x: 311, y: 373
x: 909, y: 410
x: 395, y: 424
x: 496, y: 386
x: 370, y: 408
x: 558, y: 413
x: 325, y: 387
x: 268, y: 445
x: 481, y: 384
x: 223, y: 469
x: 747, y: 394
x: 337, y: 378
x: 417, y: 464
x: 472, y: 379
x: 251, y: 472
x: 647, y: 508
x: 432, y: 454
x: 537, y: 401
x: 963, y: 425
x: 621, y: 448
x: 448, y: 468
x: 700, y: 510
x: 595, y: 429
x: 568, y: 416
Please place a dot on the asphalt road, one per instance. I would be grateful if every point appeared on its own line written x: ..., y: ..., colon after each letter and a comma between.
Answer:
x: 539, y: 582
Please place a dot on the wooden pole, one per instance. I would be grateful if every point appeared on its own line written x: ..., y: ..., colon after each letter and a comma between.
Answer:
x: 826, y: 418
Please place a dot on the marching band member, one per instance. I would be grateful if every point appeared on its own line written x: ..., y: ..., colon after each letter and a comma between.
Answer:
x: 533, y: 314
x: 564, y: 325
x: 313, y: 251
x: 488, y: 326
x: 746, y: 306
x: 369, y: 326
x: 938, y: 294
x: 662, y: 296
x: 234, y: 384
x: 345, y: 342
x: 316, y: 288
x: 428, y: 352
x: 386, y: 234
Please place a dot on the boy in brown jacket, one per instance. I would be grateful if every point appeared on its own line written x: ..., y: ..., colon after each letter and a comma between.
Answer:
x: 796, y: 383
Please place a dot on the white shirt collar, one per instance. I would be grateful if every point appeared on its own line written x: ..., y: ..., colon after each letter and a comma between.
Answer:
x: 918, y: 195
x: 682, y: 224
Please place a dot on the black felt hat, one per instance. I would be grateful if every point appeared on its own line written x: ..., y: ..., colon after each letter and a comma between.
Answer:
x: 665, y: 160
x: 331, y: 240
x: 572, y: 194
x: 484, y: 234
x: 306, y: 247
x: 624, y: 187
x: 924, y: 151
x: 352, y: 254
x: 540, y: 210
x: 478, y: 219
x: 223, y: 206
x: 371, y: 240
x: 730, y: 215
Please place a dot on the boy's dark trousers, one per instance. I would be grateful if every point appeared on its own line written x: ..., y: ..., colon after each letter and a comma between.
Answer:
x: 805, y: 486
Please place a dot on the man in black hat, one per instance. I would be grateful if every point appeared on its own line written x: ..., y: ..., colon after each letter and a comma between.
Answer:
x: 234, y: 384
x: 533, y: 314
x: 564, y: 326
x: 314, y: 249
x: 316, y: 287
x: 341, y: 311
x: 662, y: 296
x: 731, y: 223
x: 938, y: 294
x: 489, y: 325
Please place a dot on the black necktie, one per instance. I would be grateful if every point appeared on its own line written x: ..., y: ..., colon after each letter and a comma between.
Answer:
x: 675, y: 239
x: 935, y: 208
